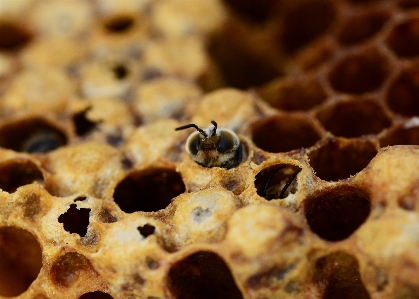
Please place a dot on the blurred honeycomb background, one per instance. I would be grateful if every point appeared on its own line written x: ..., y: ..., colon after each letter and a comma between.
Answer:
x: 99, y: 198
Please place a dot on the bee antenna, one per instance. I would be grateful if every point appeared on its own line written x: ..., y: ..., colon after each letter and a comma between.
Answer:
x: 192, y: 126
x: 215, y: 127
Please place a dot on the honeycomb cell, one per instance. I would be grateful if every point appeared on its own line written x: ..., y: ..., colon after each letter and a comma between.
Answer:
x: 354, y: 117
x: 283, y: 133
x: 302, y: 24
x: 334, y: 214
x: 119, y: 24
x: 271, y: 182
x: 13, y: 36
x: 256, y: 11
x: 403, y: 134
x: 20, y: 262
x: 408, y: 4
x: 359, y: 72
x: 337, y: 275
x: 148, y: 190
x: 294, y: 94
x: 75, y: 220
x: 69, y: 268
x: 359, y: 28
x: 202, y: 275
x: 17, y: 173
x: 404, y: 38
x: 338, y: 159
x: 96, y: 295
x: 33, y: 135
x: 402, y: 95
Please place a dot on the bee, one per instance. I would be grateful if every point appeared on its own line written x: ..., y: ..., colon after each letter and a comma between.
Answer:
x: 213, y: 147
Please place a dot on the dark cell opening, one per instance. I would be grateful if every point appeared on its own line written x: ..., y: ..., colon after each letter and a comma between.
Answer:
x: 82, y: 124
x: 404, y: 38
x: 408, y: 4
x: 119, y: 24
x: 337, y: 275
x: 284, y: 133
x: 237, y: 65
x: 363, y: 1
x: 148, y: 190
x: 120, y: 72
x: 96, y: 295
x: 33, y: 135
x: 17, y: 173
x: 68, y: 268
x: 146, y: 230
x: 270, y: 182
x: 291, y: 95
x: 359, y: 73
x: 401, y: 135
x: 202, y: 275
x: 359, y: 28
x: 305, y: 23
x: 254, y: 10
x: 20, y: 262
x: 13, y: 36
x: 338, y: 159
x: 403, y: 94
x: 354, y: 118
x: 336, y: 213
x: 75, y: 220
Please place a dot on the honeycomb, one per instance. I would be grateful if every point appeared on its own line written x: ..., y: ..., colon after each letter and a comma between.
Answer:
x: 100, y: 199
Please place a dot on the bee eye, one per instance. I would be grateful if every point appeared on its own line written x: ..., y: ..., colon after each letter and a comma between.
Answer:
x: 225, y: 143
x: 194, y: 145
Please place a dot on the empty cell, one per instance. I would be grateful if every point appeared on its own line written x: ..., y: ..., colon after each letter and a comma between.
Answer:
x: 337, y: 276
x: 32, y: 135
x: 359, y: 73
x: 338, y: 158
x: 17, y: 173
x: 404, y: 38
x: 406, y: 133
x: 96, y: 295
x: 305, y: 22
x: 202, y: 275
x: 75, y: 221
x: 359, y: 28
x: 294, y: 94
x: 20, y: 260
x: 148, y: 190
x: 354, y: 117
x: 403, y: 94
x: 336, y: 213
x: 13, y: 36
x: 284, y: 133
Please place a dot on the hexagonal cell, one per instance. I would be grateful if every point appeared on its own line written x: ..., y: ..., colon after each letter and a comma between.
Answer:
x: 404, y: 38
x: 303, y: 23
x: 254, y: 10
x: 338, y: 158
x: 293, y: 94
x: 277, y: 181
x: 402, y: 95
x: 32, y: 135
x: 69, y: 268
x: 96, y: 295
x: 361, y: 27
x: 284, y: 133
x: 17, y: 173
x: 13, y: 36
x: 354, y: 117
x: 337, y: 276
x: 148, y: 190
x: 202, y: 275
x: 408, y: 4
x: 359, y: 72
x: 20, y: 262
x: 406, y: 133
x: 335, y: 213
